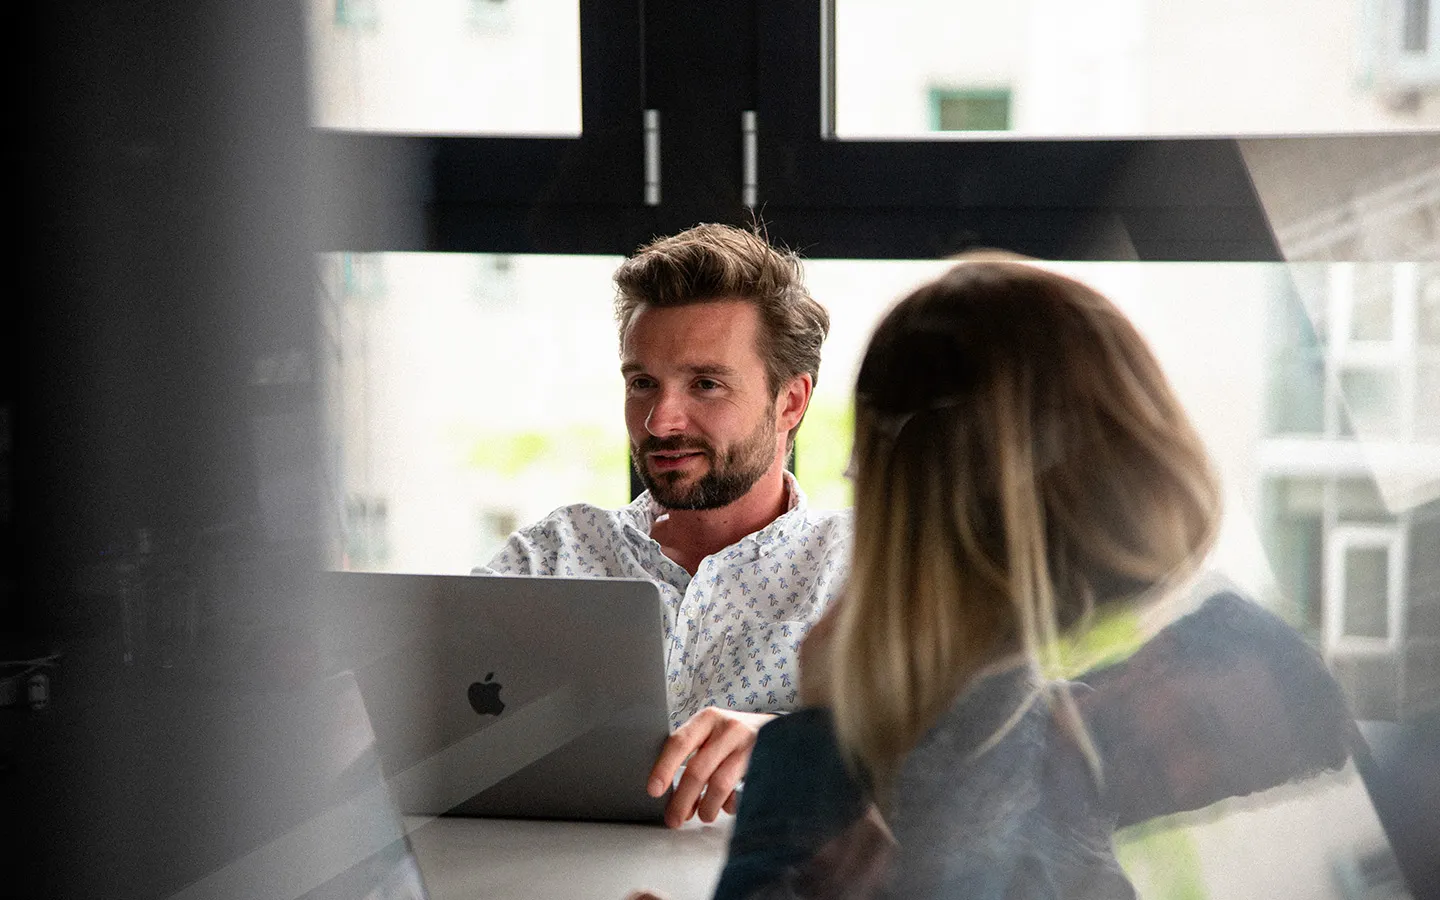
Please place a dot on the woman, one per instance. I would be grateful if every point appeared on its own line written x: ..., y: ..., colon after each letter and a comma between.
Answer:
x: 1020, y: 463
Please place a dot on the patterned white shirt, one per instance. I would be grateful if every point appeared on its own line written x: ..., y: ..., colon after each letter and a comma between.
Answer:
x: 734, y: 629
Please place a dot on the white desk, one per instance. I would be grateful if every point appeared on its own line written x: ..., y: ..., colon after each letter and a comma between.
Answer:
x: 467, y: 859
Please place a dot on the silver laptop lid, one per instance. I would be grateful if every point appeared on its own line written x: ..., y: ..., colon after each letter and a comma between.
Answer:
x: 505, y: 695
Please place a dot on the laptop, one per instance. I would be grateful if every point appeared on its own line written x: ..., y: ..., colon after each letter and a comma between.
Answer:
x: 507, y: 696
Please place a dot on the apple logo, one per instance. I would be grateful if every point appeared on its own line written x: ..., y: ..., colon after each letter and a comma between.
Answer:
x: 485, y: 697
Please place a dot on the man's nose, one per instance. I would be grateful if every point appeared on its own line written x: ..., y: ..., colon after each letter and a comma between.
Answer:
x: 667, y: 416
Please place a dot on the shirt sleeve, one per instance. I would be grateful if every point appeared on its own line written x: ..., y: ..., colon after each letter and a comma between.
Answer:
x: 529, y: 551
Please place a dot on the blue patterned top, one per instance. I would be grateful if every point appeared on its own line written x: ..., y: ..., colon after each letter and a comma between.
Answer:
x: 733, y: 630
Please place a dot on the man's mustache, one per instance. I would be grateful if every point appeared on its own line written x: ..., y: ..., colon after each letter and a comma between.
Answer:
x: 675, y: 443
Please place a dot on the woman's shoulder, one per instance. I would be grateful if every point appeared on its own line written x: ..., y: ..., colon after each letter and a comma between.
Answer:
x: 982, y: 805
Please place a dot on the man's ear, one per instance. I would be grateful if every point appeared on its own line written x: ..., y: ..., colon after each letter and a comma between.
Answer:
x: 792, y: 401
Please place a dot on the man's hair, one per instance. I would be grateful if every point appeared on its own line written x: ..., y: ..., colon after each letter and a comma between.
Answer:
x: 1228, y: 630
x: 1020, y: 459
x: 721, y: 262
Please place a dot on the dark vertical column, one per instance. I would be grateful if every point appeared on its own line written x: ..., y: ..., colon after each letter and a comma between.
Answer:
x: 166, y: 492
x: 700, y: 75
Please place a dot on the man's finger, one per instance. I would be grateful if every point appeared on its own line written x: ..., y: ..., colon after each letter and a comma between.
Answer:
x: 730, y: 739
x: 712, y: 740
x: 685, y: 800
x: 716, y: 767
x: 721, y: 785
x: 677, y: 749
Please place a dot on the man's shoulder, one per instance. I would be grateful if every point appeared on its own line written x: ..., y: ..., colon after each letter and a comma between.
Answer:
x: 578, y: 515
x: 578, y: 523
x: 541, y: 546
x: 835, y: 523
x: 831, y: 517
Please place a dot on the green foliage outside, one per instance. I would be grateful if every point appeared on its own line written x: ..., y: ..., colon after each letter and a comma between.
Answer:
x: 822, y: 453
x: 515, y: 453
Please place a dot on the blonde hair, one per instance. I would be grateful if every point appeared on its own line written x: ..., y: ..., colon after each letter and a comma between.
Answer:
x: 1020, y: 461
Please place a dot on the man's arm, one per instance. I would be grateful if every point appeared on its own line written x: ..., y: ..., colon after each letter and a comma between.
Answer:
x: 530, y: 551
x: 721, y: 740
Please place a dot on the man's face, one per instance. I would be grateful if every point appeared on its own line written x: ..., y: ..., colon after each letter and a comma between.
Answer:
x: 1186, y: 740
x: 702, y: 420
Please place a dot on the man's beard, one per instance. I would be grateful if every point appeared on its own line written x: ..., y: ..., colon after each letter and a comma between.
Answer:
x: 731, y: 475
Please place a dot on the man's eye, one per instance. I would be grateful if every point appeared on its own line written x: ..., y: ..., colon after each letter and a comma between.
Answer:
x: 707, y: 384
x: 641, y: 384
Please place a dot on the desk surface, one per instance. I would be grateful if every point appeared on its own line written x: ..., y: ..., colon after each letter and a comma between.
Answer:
x: 466, y: 859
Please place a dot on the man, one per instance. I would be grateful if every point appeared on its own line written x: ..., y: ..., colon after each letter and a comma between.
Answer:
x: 720, y: 352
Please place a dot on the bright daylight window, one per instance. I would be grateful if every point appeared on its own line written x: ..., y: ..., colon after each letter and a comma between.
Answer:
x: 1140, y: 67
x: 446, y: 66
x: 469, y: 395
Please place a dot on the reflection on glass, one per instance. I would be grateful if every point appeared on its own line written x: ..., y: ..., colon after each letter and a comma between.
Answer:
x: 1371, y: 402
x: 1310, y: 436
x: 1366, y: 592
x: 1359, y: 500
x: 474, y: 393
x: 1133, y: 67
x: 1427, y: 401
x: 446, y: 66
x: 1428, y: 306
x: 469, y: 395
x: 1372, y: 311
x: 1415, y: 26
x: 1294, y: 532
x: 1313, y: 518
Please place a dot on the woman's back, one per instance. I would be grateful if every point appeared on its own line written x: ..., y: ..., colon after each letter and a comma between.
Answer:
x: 1013, y: 818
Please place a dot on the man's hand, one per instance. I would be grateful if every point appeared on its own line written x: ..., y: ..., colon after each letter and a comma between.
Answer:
x: 718, y: 743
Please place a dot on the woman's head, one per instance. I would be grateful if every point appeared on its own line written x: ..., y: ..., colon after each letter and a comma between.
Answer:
x: 1020, y: 460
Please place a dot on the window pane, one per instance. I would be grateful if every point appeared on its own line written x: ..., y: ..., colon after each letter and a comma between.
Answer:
x: 1427, y: 402
x: 1294, y: 533
x: 470, y: 394
x: 446, y: 66
x: 1206, y: 323
x: 971, y: 110
x: 1427, y: 306
x: 1366, y: 592
x: 1210, y: 325
x: 1135, y: 67
x: 1359, y: 500
x: 1370, y: 403
x: 1372, y: 314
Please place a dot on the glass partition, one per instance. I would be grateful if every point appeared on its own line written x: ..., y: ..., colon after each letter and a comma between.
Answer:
x: 1311, y: 441
x: 1330, y: 487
